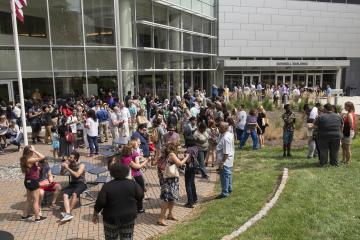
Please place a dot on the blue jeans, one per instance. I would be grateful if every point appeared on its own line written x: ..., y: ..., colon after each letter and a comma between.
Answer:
x: 226, y: 181
x: 245, y: 137
x: 239, y: 133
x: 201, y: 160
x: 190, y: 185
x: 93, y: 144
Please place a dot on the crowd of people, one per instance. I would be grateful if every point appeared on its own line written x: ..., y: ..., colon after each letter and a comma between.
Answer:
x: 148, y: 132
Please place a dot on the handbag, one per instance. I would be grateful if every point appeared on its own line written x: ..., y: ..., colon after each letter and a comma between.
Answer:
x: 171, y: 170
x: 69, y: 136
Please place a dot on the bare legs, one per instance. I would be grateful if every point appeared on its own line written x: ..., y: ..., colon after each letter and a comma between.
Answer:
x: 32, y: 198
x: 346, y: 152
x: 164, y: 208
x: 70, y: 203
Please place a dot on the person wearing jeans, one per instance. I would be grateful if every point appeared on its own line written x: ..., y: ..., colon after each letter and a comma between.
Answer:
x: 225, y: 158
x: 190, y: 171
x: 201, y: 138
x: 250, y: 130
x: 92, y: 125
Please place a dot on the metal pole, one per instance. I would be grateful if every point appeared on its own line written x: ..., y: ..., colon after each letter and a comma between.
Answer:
x: 19, y: 73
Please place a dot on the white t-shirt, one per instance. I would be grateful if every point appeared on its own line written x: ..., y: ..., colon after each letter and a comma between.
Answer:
x: 226, y: 146
x: 92, y: 131
x: 314, y: 113
x: 241, y: 117
x: 72, y: 121
x: 124, y: 114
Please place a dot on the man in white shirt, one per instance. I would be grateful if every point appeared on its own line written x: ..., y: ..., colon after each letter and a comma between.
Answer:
x: 124, y: 117
x: 240, y: 122
x: 225, y: 152
x: 314, y: 113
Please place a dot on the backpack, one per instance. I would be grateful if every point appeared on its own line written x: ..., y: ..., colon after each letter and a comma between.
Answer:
x: 154, y: 137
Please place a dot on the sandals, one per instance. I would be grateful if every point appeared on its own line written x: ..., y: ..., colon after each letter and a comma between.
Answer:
x: 162, y: 223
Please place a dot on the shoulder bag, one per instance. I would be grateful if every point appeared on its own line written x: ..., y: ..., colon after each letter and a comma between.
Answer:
x: 171, y: 170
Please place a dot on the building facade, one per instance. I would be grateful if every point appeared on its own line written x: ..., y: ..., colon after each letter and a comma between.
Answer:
x: 90, y: 47
x: 305, y: 43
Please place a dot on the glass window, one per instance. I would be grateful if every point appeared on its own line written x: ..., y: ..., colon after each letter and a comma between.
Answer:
x: 5, y: 24
x: 33, y: 59
x: 42, y: 81
x: 187, y: 80
x: 70, y: 84
x: 206, y: 26
x: 101, y: 58
x: 127, y: 29
x: 197, y: 24
x: 143, y: 10
x: 160, y: 14
x: 161, y: 60
x: 144, y: 35
x: 197, y: 62
x: 206, y: 45
x: 175, y: 40
x: 160, y: 38
x: 207, y: 63
x: 174, y: 18
x: 187, y: 61
x: 68, y: 58
x: 145, y: 84
x: 175, y: 61
x: 197, y: 44
x: 145, y: 60
x: 187, y: 22
x: 66, y: 26
x: 186, y: 4
x: 208, y: 10
x: 197, y: 81
x: 99, y: 22
x: 7, y: 60
x: 187, y: 42
x: 128, y: 59
x: 102, y: 83
x: 161, y: 84
x: 196, y: 6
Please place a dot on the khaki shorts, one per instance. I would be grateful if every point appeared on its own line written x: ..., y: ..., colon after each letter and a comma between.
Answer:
x: 348, y: 140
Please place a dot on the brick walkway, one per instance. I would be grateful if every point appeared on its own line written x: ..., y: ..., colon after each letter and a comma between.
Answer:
x: 12, y: 198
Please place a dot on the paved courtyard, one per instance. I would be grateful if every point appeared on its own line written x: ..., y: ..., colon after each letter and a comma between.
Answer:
x: 12, y: 197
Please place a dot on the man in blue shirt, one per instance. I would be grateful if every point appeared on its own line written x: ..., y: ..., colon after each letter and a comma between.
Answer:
x: 141, y: 134
x: 103, y: 117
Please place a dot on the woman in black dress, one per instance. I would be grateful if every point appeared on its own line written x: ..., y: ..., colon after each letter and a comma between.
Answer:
x: 262, y: 122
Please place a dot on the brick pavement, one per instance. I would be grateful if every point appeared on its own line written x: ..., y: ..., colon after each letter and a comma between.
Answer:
x: 12, y: 197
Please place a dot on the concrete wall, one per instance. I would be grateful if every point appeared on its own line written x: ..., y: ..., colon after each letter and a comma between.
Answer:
x: 278, y: 28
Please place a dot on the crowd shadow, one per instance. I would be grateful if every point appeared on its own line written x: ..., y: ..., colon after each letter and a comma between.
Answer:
x: 10, y: 216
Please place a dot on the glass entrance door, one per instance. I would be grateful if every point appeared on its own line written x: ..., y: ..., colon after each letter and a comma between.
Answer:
x: 313, y: 80
x: 251, y: 79
x: 283, y: 79
x: 6, y: 91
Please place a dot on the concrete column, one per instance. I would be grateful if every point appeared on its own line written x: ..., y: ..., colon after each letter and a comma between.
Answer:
x: 338, y: 78
x: 128, y: 77
x: 176, y: 44
x: 126, y: 23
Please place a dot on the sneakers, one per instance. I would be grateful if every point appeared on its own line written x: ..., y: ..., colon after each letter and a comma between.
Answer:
x: 26, y: 218
x: 63, y: 214
x: 67, y: 217
x: 141, y: 210
x: 40, y: 219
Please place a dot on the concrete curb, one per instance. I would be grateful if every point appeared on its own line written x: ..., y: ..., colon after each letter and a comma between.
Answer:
x: 263, y: 211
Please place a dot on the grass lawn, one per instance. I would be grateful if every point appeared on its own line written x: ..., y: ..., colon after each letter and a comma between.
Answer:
x: 317, y: 203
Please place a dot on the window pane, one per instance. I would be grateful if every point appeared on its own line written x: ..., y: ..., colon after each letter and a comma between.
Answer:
x: 68, y: 58
x: 127, y: 29
x: 161, y: 83
x: 197, y: 62
x: 70, y: 85
x: 186, y: 3
x: 174, y: 18
x: 208, y: 10
x: 175, y: 61
x: 187, y: 23
x: 175, y: 40
x: 197, y: 44
x: 99, y: 22
x: 144, y: 35
x: 42, y: 81
x: 207, y: 62
x: 196, y: 5
x: 35, y: 59
x: 160, y: 14
x: 143, y: 10
x: 197, y: 24
x: 187, y: 61
x: 6, y: 36
x: 160, y: 38
x: 206, y: 45
x: 128, y: 59
x: 187, y: 80
x: 102, y: 83
x: 7, y: 60
x: 187, y: 42
x: 206, y: 26
x: 145, y: 60
x: 65, y: 16
x: 101, y: 58
x: 161, y: 61
x: 145, y: 84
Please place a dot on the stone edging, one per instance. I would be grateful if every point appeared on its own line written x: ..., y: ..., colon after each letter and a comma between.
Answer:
x: 263, y: 211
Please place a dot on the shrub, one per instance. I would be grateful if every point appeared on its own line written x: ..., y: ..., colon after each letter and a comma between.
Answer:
x: 267, y: 104
x: 299, y: 123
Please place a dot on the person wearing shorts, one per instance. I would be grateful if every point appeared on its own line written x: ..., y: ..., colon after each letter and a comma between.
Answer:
x: 47, y: 183
x: 77, y: 184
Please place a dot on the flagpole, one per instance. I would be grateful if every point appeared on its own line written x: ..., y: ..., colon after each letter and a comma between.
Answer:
x: 19, y: 73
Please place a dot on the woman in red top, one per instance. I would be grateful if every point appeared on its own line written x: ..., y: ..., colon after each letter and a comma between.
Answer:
x: 348, y: 131
x: 29, y: 166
